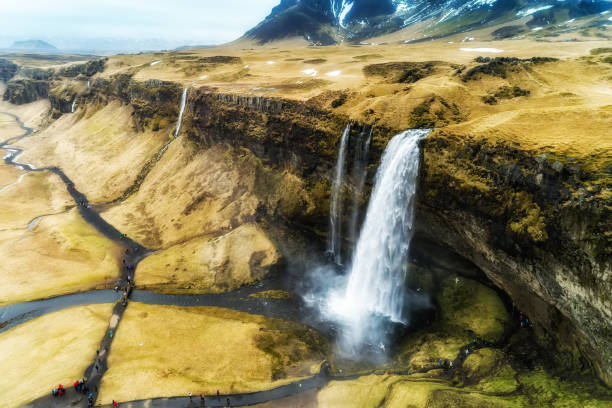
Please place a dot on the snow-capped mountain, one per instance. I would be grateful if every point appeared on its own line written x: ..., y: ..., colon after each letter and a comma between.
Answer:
x: 329, y: 21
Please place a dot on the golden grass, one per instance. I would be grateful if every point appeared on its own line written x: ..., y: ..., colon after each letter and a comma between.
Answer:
x: 8, y: 127
x: 548, y: 119
x: 61, y: 254
x: 8, y: 174
x: 39, y: 193
x: 49, y: 350
x: 196, y: 193
x: 102, y: 154
x: 208, y: 264
x: 166, y: 350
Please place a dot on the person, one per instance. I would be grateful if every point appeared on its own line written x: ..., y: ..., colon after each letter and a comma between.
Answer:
x: 228, y: 402
x: 60, y: 390
x: 190, y: 394
x: 115, y: 403
x: 217, y: 394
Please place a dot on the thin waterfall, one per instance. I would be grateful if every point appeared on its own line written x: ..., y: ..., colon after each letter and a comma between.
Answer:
x: 335, y: 208
x: 360, y: 172
x: 73, y: 105
x: 375, y: 289
x: 181, y: 110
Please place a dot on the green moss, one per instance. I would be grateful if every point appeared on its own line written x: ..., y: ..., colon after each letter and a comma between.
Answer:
x: 482, y: 363
x: 546, y: 390
x: 470, y: 307
x: 503, y: 381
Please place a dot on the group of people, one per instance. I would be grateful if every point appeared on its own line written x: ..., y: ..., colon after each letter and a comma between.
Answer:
x: 80, y: 386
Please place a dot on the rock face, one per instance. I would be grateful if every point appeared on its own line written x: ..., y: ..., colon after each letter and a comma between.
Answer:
x: 328, y: 21
x: 530, y: 224
x: 22, y: 91
x: 7, y: 70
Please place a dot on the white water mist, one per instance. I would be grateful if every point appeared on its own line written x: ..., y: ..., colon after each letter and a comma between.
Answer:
x: 73, y: 105
x: 181, y: 110
x: 335, y: 208
x: 374, y: 292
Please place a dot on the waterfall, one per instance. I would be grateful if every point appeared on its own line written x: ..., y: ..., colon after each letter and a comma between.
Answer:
x: 375, y: 289
x: 335, y: 208
x: 73, y: 104
x: 182, y: 109
x: 88, y: 84
x: 360, y: 173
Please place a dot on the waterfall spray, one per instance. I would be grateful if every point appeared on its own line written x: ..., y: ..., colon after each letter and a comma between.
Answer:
x: 374, y: 292
x: 181, y: 110
x: 360, y: 173
x: 335, y: 208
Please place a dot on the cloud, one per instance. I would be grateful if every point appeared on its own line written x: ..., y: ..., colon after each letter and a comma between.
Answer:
x: 171, y: 22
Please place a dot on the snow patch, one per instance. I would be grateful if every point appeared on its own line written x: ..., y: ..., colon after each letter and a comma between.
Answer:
x: 530, y: 11
x: 537, y: 29
x: 310, y: 72
x: 271, y: 62
x: 204, y: 77
x: 155, y: 63
x: 334, y: 73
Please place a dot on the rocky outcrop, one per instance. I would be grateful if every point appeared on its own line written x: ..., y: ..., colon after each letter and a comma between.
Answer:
x: 538, y: 228
x: 7, y: 70
x: 22, y: 91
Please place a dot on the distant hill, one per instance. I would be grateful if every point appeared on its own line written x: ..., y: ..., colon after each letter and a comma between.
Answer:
x: 32, y: 45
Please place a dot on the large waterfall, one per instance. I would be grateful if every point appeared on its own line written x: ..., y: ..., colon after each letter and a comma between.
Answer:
x: 360, y: 172
x: 375, y: 288
x: 182, y: 109
x: 335, y: 208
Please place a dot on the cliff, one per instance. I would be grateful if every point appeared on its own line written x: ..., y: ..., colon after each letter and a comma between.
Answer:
x: 535, y: 219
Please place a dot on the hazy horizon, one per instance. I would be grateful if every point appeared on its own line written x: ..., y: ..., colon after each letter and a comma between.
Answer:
x: 115, y: 25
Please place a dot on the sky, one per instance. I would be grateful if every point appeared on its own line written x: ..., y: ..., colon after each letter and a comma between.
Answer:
x: 133, y: 24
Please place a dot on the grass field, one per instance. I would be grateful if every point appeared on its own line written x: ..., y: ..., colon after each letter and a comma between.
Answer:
x: 53, y: 349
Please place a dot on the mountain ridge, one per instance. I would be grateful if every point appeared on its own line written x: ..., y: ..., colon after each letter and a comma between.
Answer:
x: 325, y: 22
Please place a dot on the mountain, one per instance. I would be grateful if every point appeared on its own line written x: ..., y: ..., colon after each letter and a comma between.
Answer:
x: 331, y: 21
x: 32, y: 45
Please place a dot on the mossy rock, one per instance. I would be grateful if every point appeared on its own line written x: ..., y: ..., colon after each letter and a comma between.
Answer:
x: 482, y: 362
x: 425, y: 349
x: 501, y: 382
x: 546, y: 390
x: 472, y: 308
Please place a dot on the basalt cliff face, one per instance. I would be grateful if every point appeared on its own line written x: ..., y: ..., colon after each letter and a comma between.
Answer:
x: 537, y: 226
